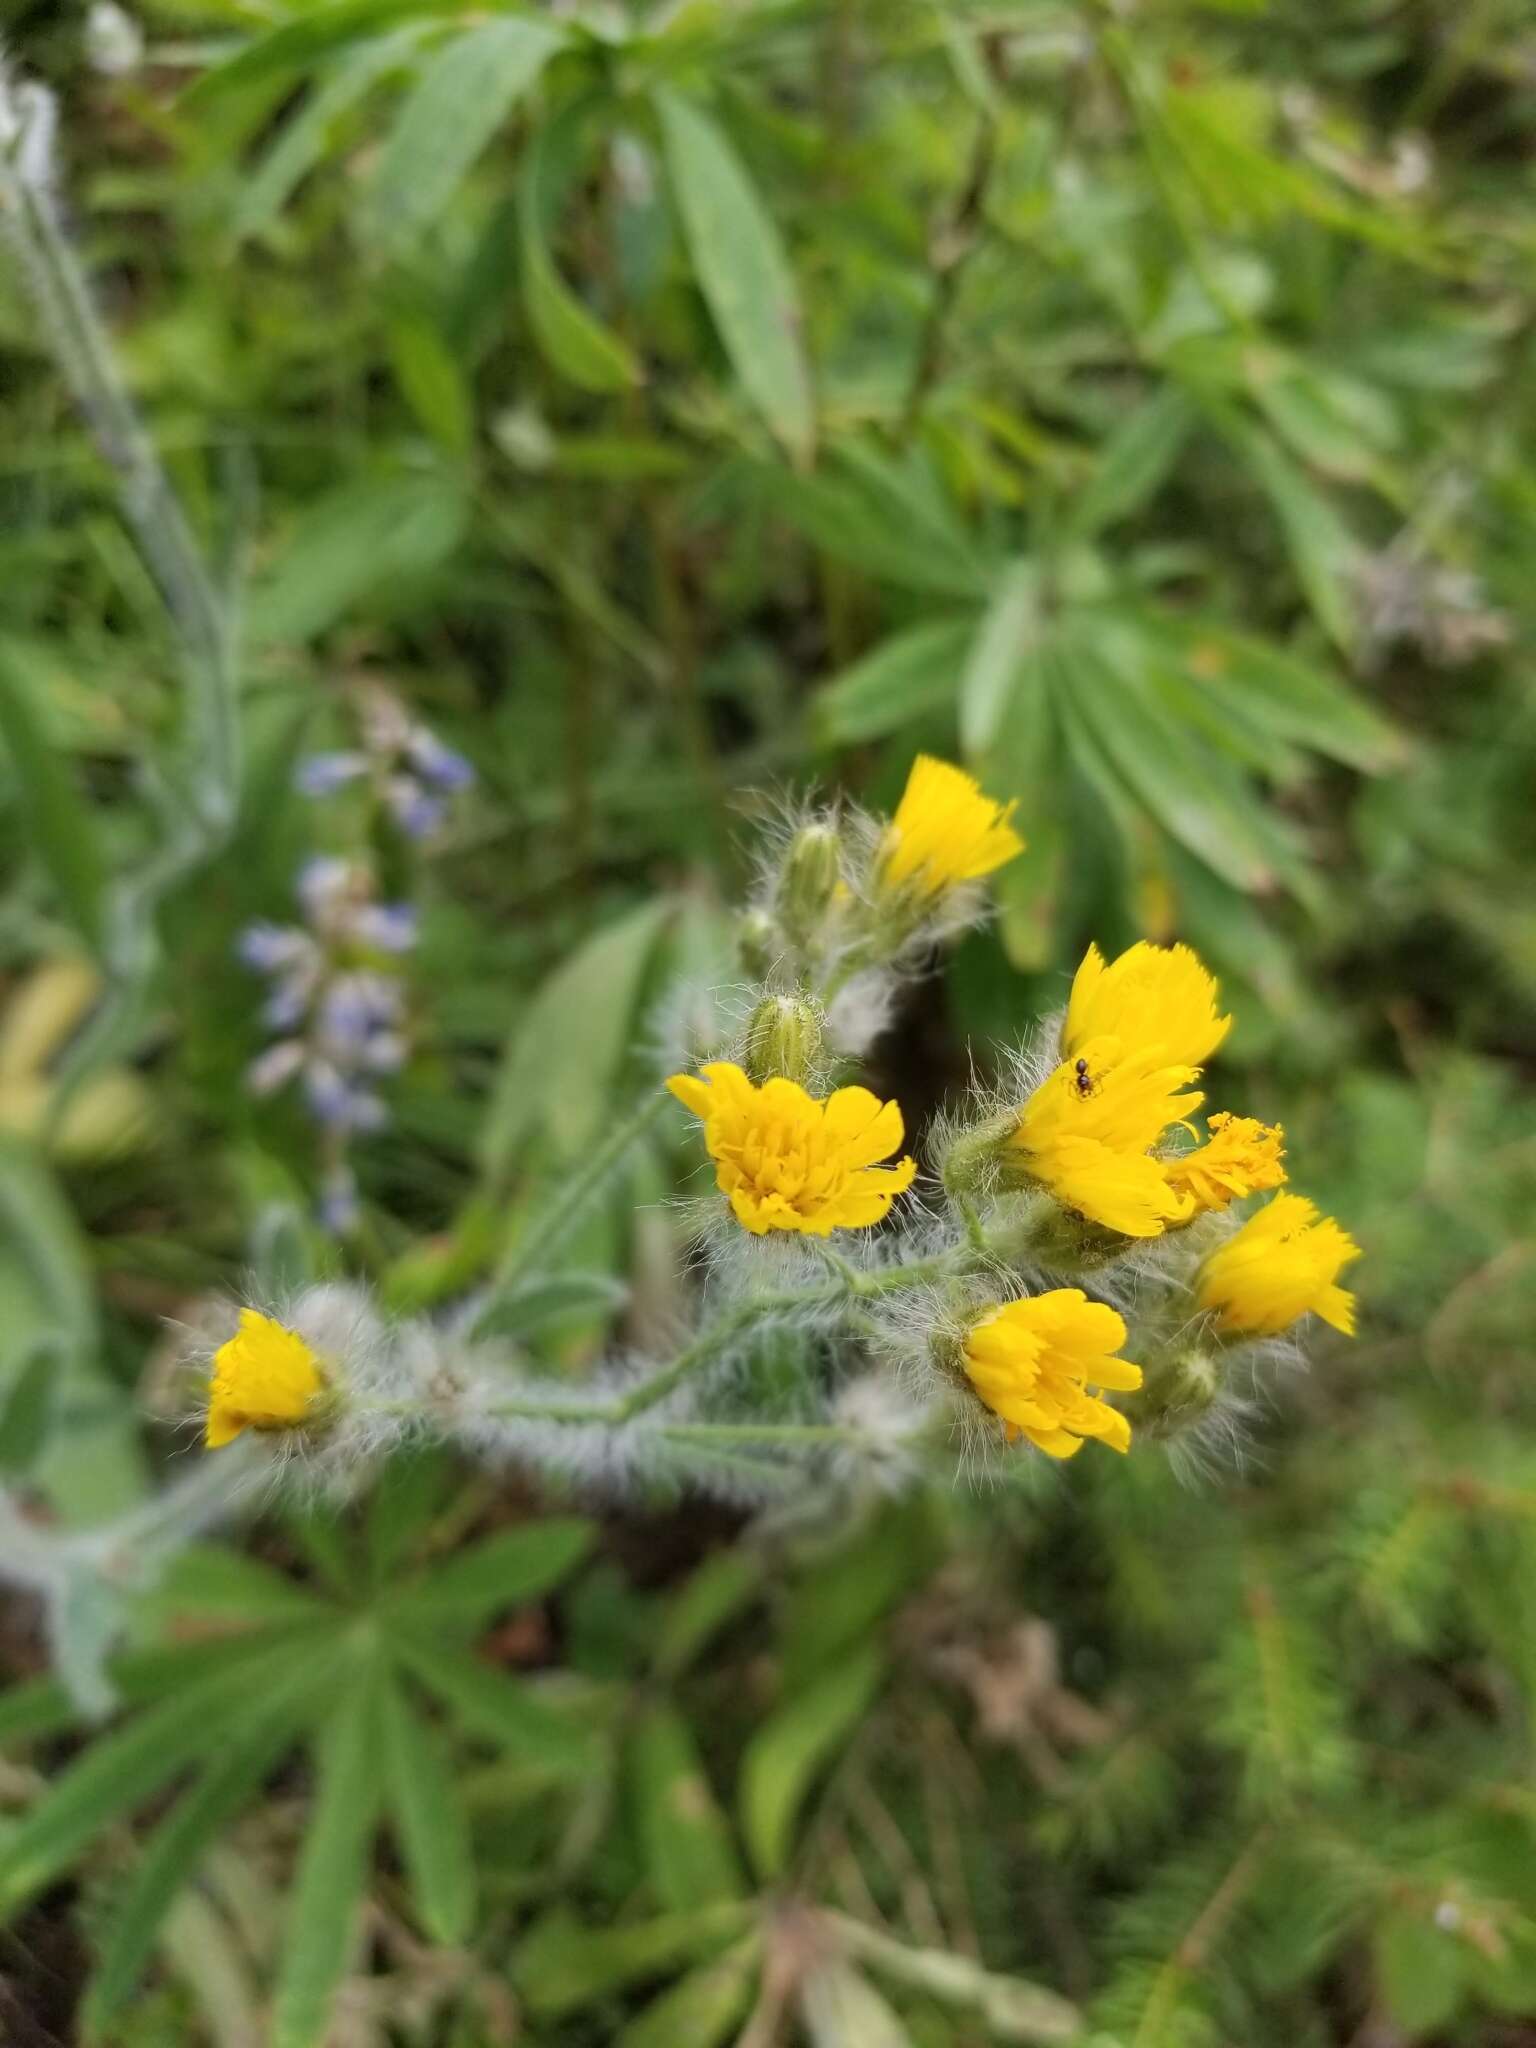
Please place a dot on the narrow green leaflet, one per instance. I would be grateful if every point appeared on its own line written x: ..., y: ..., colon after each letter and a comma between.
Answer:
x: 364, y: 537
x: 562, y: 1966
x: 180, y: 1843
x: 429, y: 1821
x: 742, y: 271
x: 561, y: 1065
x: 305, y: 138
x: 464, y: 94
x: 703, y: 2009
x: 718, y: 1591
x: 119, y: 1772
x: 28, y: 1407
x: 907, y: 677
x: 792, y: 1747
x: 499, y: 1709
x: 839, y: 2007
x: 996, y: 658
x: 333, y: 1869
x: 317, y: 30
x: 1134, y: 462
x: 58, y: 823
x: 497, y: 1573
x: 574, y: 342
x: 689, y: 1857
x: 1321, y: 546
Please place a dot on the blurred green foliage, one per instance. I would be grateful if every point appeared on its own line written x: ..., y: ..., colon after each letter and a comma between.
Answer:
x: 671, y: 403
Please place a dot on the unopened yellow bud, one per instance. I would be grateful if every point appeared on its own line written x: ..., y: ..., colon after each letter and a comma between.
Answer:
x: 1181, y: 1390
x: 784, y: 1037
x: 809, y: 881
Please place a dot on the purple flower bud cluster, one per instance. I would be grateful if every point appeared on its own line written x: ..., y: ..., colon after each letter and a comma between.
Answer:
x: 337, y: 1002
x: 413, y: 773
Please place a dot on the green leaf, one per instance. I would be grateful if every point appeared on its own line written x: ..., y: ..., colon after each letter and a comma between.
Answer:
x: 549, y: 1298
x: 793, y: 1745
x: 559, y: 1070
x: 119, y: 1772
x: 573, y: 340
x: 721, y: 1587
x: 365, y: 537
x: 562, y: 1966
x: 297, y: 43
x: 57, y: 821
x: 1321, y: 546
x: 496, y: 1707
x: 907, y: 677
x: 689, y: 1857
x: 499, y: 1572
x: 333, y: 1869
x: 410, y: 1493
x: 429, y: 1820
x: 28, y: 1408
x: 304, y: 139
x: 1419, y: 1970
x: 432, y: 383
x: 178, y: 1846
x: 1295, y: 699
x: 702, y: 2009
x: 1134, y: 462
x: 1181, y: 783
x: 742, y: 270
x: 464, y: 94
x: 996, y: 658
x: 206, y: 1581
x: 890, y: 519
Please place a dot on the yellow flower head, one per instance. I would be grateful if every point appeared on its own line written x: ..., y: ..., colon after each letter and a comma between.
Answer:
x: 1240, y: 1157
x: 789, y: 1162
x: 1160, y: 996
x: 1034, y: 1362
x: 1283, y: 1263
x: 945, y: 831
x: 1086, y: 1131
x: 265, y: 1377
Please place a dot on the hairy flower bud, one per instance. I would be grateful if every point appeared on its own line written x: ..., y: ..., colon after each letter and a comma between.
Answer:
x: 1181, y: 1390
x: 784, y: 1036
x: 759, y: 940
x: 809, y: 881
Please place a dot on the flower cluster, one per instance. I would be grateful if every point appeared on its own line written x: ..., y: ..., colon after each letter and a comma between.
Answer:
x: 409, y: 770
x: 337, y: 1003
x: 1079, y: 1270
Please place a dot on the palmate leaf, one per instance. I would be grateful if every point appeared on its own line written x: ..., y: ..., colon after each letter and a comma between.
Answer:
x: 489, y: 1704
x: 703, y: 2008
x: 333, y: 1867
x: 898, y: 683
x: 562, y: 1966
x: 999, y: 656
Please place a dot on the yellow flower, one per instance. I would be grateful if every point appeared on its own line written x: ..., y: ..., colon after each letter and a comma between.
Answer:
x: 1160, y: 996
x: 1283, y: 1263
x: 1240, y: 1157
x: 945, y: 831
x: 1034, y: 1361
x: 1086, y: 1132
x: 789, y: 1162
x: 265, y: 1377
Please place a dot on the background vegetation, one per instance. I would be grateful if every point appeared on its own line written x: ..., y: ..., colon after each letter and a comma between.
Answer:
x: 670, y: 404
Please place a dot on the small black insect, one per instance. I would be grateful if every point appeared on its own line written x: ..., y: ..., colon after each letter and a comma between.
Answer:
x: 1084, y: 1078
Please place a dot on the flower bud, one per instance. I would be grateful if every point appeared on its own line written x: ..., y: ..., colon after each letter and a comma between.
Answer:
x: 759, y: 941
x: 975, y: 1161
x: 783, y: 1037
x: 809, y: 880
x: 1180, y: 1391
